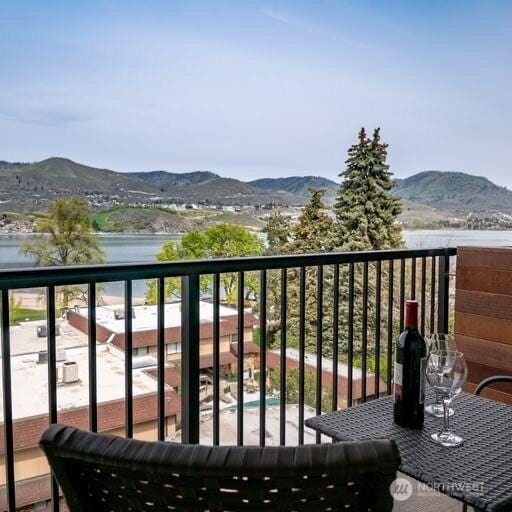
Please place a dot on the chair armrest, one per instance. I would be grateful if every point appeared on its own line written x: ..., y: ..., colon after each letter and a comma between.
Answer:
x: 492, y: 380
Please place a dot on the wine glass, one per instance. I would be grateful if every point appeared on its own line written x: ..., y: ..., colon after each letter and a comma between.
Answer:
x: 446, y: 372
x: 439, y: 341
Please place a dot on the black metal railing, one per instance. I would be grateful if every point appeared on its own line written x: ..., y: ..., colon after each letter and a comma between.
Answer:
x: 359, y: 299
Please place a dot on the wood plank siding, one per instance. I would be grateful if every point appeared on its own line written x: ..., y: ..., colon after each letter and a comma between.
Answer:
x: 483, y: 315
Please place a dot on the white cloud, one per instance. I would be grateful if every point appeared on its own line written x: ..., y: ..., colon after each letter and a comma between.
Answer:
x: 284, y: 18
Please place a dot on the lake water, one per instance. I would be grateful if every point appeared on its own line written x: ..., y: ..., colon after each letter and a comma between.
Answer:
x: 118, y: 248
x: 428, y: 239
x: 122, y: 248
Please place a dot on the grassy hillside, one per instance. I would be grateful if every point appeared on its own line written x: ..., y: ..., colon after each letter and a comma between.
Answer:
x: 25, y: 186
x: 455, y: 192
x: 174, y: 179
x: 29, y: 187
x: 148, y: 220
x: 157, y: 220
x: 60, y: 175
x: 203, y: 219
x: 201, y: 186
x: 420, y: 216
x: 299, y: 185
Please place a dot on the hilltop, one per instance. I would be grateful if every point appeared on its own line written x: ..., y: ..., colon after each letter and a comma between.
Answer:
x: 32, y: 185
x: 36, y: 183
x: 455, y: 192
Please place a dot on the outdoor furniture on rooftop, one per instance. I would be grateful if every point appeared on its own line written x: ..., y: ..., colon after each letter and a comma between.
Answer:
x: 478, y: 473
x: 106, y: 473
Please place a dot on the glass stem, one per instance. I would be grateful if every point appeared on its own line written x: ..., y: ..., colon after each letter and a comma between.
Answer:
x: 446, y: 411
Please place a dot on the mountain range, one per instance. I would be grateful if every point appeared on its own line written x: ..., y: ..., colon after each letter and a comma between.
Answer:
x: 37, y: 182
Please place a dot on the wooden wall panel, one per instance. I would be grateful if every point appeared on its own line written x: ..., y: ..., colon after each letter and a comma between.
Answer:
x: 485, y: 304
x: 485, y: 327
x: 484, y: 280
x: 497, y: 355
x: 497, y: 258
x: 483, y: 315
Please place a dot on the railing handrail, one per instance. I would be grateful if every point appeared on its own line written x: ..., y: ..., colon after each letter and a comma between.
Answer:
x: 33, y: 277
x: 190, y: 272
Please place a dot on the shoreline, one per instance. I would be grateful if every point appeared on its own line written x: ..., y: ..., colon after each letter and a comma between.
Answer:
x: 181, y: 233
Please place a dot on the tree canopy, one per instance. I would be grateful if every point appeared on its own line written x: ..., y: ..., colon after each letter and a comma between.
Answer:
x: 366, y: 211
x: 278, y: 229
x: 220, y: 241
x: 65, y: 239
x: 313, y: 231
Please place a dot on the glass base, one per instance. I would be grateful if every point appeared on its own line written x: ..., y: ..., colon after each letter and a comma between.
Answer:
x: 448, y: 439
x: 437, y: 410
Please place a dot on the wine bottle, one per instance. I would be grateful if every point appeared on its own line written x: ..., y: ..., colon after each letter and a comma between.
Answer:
x: 409, y: 375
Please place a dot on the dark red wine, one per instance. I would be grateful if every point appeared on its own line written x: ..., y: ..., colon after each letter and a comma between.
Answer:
x: 409, y: 376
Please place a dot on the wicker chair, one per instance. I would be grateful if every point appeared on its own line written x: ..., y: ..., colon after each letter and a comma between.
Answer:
x: 479, y: 388
x: 492, y: 380
x: 103, y: 473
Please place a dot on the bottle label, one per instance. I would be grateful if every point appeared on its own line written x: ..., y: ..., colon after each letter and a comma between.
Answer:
x: 423, y: 366
x: 398, y: 376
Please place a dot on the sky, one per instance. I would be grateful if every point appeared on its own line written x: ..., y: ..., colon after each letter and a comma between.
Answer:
x: 253, y: 89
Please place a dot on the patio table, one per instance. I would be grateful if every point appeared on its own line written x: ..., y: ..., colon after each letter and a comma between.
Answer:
x: 478, y: 473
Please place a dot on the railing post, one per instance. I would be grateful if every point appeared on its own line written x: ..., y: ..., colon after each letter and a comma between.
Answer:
x: 7, y: 403
x: 190, y: 324
x: 443, y: 294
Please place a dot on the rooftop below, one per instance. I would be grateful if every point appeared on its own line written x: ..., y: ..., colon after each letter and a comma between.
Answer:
x: 145, y: 316
x: 30, y: 381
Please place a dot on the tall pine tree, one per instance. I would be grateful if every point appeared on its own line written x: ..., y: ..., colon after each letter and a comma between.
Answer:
x: 365, y: 209
x: 313, y: 232
x: 278, y: 234
x: 314, y: 229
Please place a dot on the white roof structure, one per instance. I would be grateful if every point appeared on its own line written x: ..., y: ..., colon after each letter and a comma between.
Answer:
x: 30, y: 381
x: 24, y: 338
x: 145, y: 317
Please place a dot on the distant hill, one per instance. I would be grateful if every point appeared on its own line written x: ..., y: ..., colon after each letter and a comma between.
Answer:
x: 26, y: 186
x: 62, y: 176
x: 31, y: 185
x: 299, y: 185
x: 174, y: 179
x: 454, y: 191
x: 203, y: 186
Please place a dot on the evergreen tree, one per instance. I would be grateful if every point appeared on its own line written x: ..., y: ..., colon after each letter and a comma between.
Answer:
x: 278, y: 234
x: 313, y: 232
x: 314, y: 229
x: 366, y: 214
x: 365, y: 209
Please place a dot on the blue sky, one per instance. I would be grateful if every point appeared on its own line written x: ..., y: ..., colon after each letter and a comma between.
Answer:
x: 252, y: 89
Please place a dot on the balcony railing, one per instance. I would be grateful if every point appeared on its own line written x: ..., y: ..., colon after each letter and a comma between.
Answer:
x: 358, y: 300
